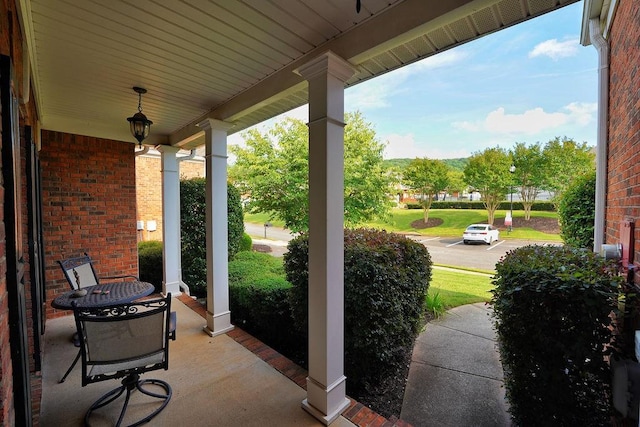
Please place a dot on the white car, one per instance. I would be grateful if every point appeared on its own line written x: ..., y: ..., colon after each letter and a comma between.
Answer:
x: 480, y: 233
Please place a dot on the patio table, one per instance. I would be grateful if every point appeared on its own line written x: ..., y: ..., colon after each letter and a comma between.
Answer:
x: 102, y: 295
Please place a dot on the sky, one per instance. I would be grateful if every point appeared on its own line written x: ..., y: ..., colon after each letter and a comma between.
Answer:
x: 528, y: 83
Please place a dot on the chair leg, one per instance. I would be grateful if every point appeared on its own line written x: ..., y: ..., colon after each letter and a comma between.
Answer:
x: 130, y: 383
x: 64, y: 377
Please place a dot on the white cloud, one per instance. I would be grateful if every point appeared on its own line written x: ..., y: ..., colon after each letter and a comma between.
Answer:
x: 531, y: 121
x: 555, y: 49
x: 375, y: 93
x: 406, y: 147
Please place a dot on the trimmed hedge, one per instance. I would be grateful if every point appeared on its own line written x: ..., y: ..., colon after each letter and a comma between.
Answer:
x: 150, y: 263
x: 386, y: 279
x: 553, y: 309
x: 246, y: 243
x: 517, y: 206
x: 193, y: 231
x: 259, y: 299
x: 577, y: 212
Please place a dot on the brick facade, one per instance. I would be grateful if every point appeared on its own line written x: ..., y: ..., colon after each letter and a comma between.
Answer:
x: 149, y: 189
x: 623, y: 187
x: 89, y: 205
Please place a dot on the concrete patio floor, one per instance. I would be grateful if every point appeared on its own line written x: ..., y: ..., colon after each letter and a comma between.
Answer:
x: 216, y: 382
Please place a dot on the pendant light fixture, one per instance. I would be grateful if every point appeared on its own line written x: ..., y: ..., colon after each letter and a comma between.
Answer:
x: 138, y: 123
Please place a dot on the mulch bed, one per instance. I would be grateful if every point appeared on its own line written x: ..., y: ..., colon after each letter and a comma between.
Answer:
x: 544, y: 225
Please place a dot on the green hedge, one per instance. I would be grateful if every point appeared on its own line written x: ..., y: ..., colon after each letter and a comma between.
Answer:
x: 386, y: 278
x: 193, y: 231
x: 150, y: 263
x: 517, y: 206
x: 259, y: 300
x: 577, y: 210
x: 246, y: 243
x: 553, y: 309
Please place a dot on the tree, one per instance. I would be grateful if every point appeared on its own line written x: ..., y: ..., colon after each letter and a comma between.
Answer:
x: 529, y: 174
x: 456, y: 181
x: 428, y: 178
x: 488, y: 173
x: 273, y: 171
x: 565, y: 160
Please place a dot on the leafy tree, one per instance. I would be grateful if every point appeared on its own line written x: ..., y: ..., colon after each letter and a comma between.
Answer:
x: 577, y: 211
x: 456, y: 181
x: 273, y: 169
x: 529, y: 175
x: 565, y: 160
x: 428, y: 178
x: 488, y: 173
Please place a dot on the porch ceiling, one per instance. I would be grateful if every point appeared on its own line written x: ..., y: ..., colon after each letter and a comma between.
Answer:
x: 231, y: 60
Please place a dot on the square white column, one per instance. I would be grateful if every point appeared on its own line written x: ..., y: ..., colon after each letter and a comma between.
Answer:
x: 218, y: 314
x: 326, y: 387
x: 171, y: 245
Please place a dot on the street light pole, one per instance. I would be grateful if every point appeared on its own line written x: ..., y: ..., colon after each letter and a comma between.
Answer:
x: 512, y: 169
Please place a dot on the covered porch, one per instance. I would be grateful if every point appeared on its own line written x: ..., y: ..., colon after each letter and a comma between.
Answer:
x: 230, y: 379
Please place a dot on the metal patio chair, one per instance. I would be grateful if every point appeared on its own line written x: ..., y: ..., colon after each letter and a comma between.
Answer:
x: 80, y: 273
x: 125, y: 341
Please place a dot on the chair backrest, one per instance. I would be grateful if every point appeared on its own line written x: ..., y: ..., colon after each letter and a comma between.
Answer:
x: 79, y: 271
x: 123, y: 339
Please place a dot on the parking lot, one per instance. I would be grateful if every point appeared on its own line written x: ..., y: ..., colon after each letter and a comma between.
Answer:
x: 444, y: 250
x: 451, y: 251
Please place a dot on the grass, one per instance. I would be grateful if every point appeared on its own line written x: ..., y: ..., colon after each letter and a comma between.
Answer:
x: 458, y: 287
x: 454, y: 221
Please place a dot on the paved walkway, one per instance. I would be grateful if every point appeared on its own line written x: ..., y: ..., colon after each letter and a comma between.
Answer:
x: 455, y: 378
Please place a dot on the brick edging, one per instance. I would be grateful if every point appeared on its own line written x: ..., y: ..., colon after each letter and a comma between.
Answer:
x: 357, y: 413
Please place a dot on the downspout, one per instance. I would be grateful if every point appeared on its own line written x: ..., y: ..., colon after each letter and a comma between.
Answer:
x: 144, y: 150
x: 602, y: 47
x: 190, y: 156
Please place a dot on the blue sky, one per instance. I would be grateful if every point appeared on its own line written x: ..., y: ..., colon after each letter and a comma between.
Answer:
x: 528, y: 83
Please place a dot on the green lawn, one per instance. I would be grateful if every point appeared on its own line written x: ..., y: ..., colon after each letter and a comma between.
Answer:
x: 458, y: 287
x: 454, y: 223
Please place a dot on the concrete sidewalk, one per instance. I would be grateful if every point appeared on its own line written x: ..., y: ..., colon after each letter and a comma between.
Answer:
x: 456, y: 378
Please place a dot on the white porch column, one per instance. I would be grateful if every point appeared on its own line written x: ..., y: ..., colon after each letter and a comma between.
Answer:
x: 171, y: 247
x: 218, y: 314
x: 326, y: 396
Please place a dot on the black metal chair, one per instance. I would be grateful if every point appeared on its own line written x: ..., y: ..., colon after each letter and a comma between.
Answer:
x: 125, y: 341
x: 80, y: 273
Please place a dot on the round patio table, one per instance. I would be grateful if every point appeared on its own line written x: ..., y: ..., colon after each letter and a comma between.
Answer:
x: 104, y: 294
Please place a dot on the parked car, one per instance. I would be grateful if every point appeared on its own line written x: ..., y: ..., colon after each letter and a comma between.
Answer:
x: 480, y: 233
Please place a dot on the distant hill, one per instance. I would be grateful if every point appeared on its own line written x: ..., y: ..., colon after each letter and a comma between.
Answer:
x: 400, y: 164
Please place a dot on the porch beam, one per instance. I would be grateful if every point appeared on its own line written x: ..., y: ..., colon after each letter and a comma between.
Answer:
x: 171, y: 247
x: 326, y: 386
x: 218, y: 314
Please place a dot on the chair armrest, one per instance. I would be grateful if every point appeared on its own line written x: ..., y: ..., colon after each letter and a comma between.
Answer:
x: 173, y: 325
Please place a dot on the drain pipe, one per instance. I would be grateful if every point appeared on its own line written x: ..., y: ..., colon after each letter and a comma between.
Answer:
x: 145, y: 150
x: 183, y: 286
x: 190, y: 156
x: 602, y: 47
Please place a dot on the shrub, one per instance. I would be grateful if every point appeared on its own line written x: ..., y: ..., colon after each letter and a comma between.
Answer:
x: 246, y: 243
x: 193, y: 231
x: 386, y: 278
x: 465, y: 204
x: 577, y: 212
x: 150, y: 263
x: 259, y: 300
x: 552, y: 307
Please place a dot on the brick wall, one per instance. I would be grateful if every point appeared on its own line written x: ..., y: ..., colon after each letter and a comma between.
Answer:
x: 149, y: 189
x: 623, y: 195
x: 89, y: 205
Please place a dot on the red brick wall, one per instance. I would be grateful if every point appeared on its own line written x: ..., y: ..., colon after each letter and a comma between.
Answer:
x: 149, y: 189
x: 623, y: 195
x: 89, y: 205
